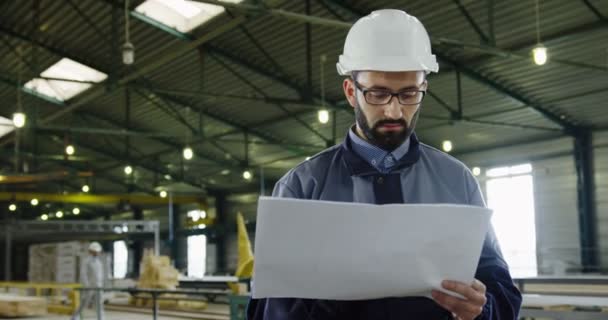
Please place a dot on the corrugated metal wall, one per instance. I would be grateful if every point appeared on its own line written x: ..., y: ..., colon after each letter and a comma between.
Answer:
x: 600, y: 143
x: 557, y: 227
x: 557, y: 230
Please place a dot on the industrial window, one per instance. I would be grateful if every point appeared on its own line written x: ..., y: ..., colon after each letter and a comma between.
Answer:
x: 510, y: 192
x: 197, y: 255
x: 121, y: 259
x: 181, y: 15
x: 60, y: 89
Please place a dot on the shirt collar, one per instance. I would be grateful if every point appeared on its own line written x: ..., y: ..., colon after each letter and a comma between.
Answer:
x: 375, y: 155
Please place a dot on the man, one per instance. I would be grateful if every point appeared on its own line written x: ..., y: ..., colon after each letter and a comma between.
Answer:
x: 387, y: 55
x: 91, y: 276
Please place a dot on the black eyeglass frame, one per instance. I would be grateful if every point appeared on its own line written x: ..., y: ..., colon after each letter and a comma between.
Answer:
x: 392, y: 94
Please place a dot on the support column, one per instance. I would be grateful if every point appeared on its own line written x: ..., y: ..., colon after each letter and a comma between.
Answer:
x: 178, y: 242
x: 7, y: 253
x: 220, y: 209
x: 583, y: 157
x: 138, y: 246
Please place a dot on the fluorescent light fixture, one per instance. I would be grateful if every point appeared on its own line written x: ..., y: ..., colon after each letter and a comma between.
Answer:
x: 247, y: 175
x: 447, y: 146
x: 540, y: 55
x: 64, y: 90
x: 19, y: 119
x: 128, y: 53
x: 128, y: 170
x: 181, y: 15
x: 323, y: 116
x: 476, y: 171
x: 188, y: 153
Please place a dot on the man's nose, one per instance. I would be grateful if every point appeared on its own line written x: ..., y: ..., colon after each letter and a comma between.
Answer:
x: 392, y: 110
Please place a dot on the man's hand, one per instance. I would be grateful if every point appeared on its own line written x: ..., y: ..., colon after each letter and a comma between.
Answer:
x: 462, y: 309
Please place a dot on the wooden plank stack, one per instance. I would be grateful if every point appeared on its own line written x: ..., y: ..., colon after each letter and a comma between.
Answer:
x: 12, y: 306
x: 157, y: 272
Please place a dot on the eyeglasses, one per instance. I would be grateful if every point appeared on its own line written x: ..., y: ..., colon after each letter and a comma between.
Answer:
x: 380, y: 97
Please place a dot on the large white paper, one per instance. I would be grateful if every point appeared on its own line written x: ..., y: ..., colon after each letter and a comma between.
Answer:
x: 352, y: 251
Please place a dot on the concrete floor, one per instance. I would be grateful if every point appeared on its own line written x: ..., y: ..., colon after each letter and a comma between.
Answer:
x: 216, y: 312
x: 110, y: 315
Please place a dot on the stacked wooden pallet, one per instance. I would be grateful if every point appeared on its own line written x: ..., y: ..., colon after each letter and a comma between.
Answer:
x: 157, y: 272
x: 12, y: 306
x: 169, y: 302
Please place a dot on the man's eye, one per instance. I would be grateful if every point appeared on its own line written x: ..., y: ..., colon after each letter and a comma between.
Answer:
x: 408, y: 94
x: 378, y: 94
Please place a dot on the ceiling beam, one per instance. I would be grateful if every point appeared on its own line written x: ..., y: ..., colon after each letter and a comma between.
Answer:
x: 561, y: 119
x: 463, y: 10
x: 595, y: 11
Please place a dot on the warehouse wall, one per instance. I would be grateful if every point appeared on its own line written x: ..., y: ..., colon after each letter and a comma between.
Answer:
x: 557, y: 228
x: 600, y: 143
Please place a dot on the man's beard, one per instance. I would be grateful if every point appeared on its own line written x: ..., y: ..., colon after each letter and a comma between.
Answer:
x: 389, y: 140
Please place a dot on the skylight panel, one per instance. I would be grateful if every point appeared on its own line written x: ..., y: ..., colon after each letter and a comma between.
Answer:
x: 64, y: 90
x: 6, y: 126
x: 181, y: 15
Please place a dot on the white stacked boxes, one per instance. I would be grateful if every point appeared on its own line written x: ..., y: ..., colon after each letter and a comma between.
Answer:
x: 42, y: 262
x: 67, y: 269
x: 71, y: 248
x: 56, y: 262
x: 67, y: 262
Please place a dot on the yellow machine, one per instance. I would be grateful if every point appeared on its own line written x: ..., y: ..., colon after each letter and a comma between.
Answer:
x: 245, y: 261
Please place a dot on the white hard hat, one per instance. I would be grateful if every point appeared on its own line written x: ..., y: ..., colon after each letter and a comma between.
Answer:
x: 387, y: 40
x: 95, y: 246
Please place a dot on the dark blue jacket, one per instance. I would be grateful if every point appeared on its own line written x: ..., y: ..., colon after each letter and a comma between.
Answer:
x: 423, y: 175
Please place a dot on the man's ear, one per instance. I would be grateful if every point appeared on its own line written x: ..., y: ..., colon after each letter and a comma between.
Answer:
x: 350, y: 91
x: 425, y: 83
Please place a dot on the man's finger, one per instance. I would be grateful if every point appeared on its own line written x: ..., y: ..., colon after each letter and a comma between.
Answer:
x: 478, y: 286
x: 456, y: 305
x: 467, y: 291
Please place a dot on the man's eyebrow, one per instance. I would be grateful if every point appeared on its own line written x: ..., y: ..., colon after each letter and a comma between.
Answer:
x: 399, y: 90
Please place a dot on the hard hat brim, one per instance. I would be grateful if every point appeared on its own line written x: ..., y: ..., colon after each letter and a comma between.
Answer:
x: 346, y: 65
